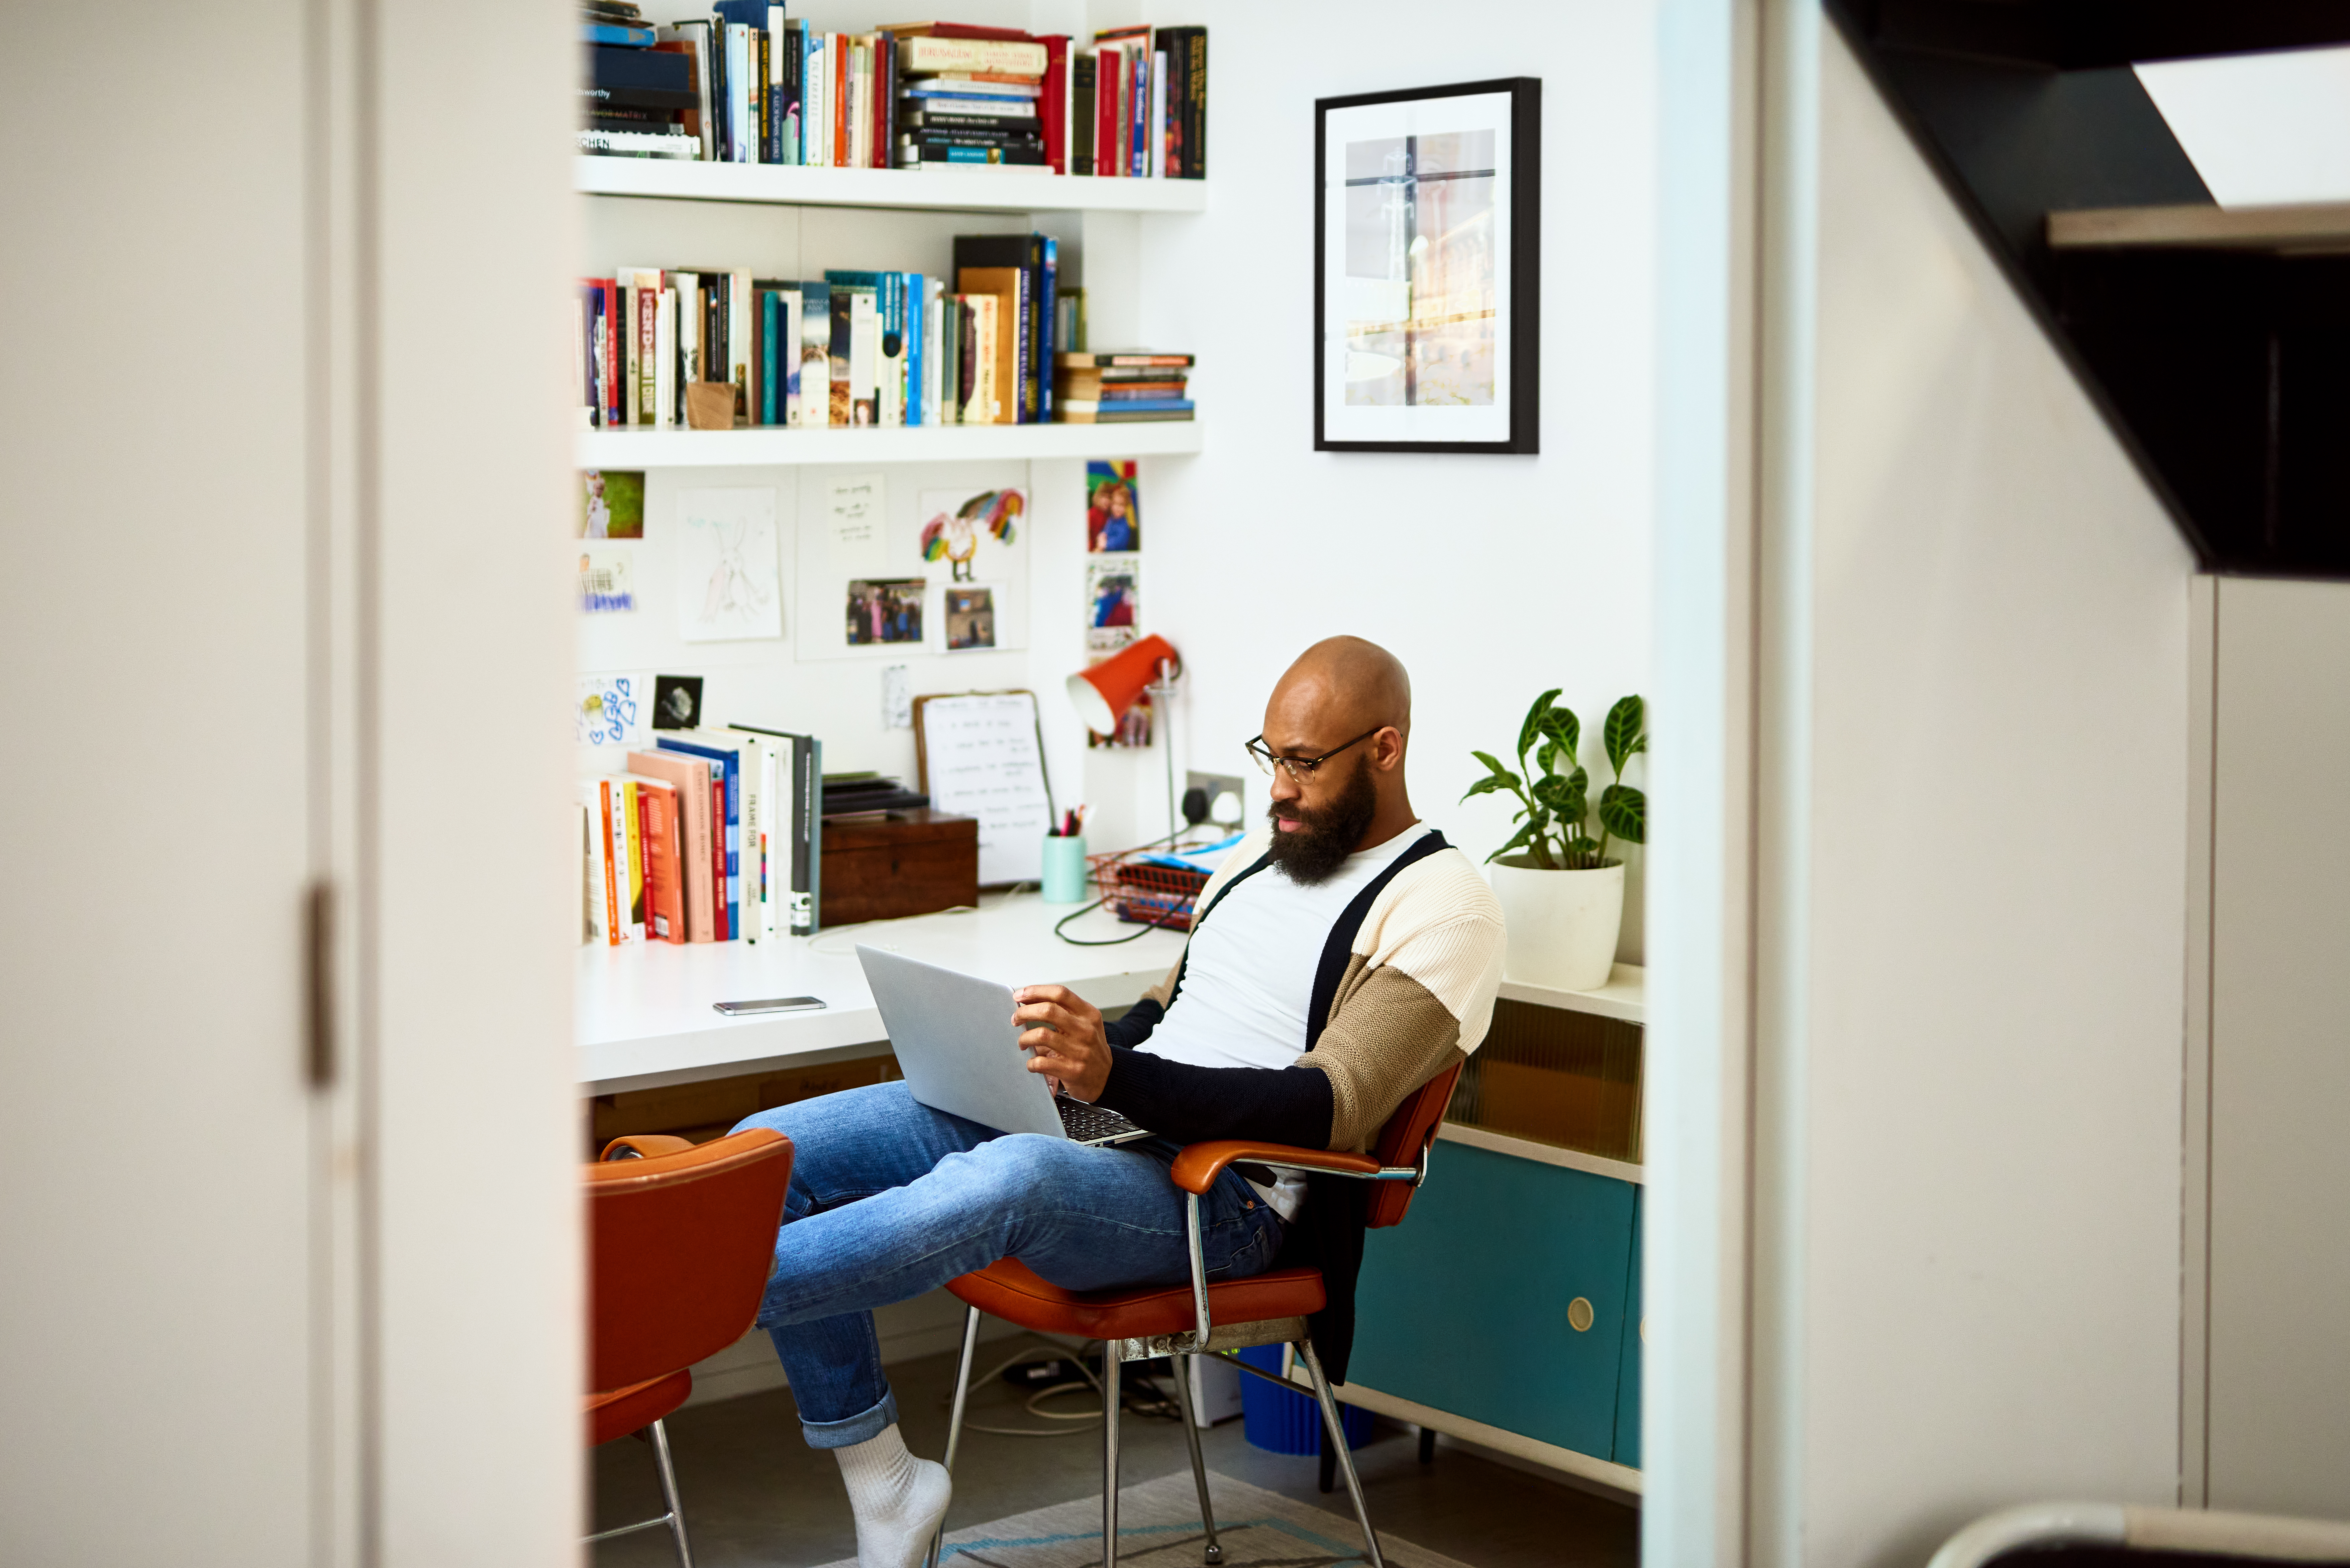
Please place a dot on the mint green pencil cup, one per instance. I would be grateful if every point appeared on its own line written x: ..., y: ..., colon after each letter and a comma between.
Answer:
x: 1064, y: 870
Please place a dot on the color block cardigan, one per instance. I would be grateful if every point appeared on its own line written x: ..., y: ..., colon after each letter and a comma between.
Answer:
x: 1404, y: 987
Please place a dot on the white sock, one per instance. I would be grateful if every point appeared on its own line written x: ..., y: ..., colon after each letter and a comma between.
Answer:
x: 898, y: 1499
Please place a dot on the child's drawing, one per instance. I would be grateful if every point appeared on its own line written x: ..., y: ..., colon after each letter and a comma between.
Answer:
x: 728, y: 582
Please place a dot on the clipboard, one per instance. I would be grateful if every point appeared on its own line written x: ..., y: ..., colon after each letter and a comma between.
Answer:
x: 982, y: 755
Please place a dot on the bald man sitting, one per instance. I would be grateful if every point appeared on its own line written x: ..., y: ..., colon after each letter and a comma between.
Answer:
x: 1342, y: 957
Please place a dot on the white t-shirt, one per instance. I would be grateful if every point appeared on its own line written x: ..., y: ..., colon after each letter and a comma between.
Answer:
x: 1248, y: 982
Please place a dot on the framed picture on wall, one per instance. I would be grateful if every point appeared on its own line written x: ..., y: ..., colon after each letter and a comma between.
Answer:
x: 1426, y: 268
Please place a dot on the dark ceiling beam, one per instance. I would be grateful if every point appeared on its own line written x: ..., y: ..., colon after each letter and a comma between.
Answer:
x: 2086, y: 34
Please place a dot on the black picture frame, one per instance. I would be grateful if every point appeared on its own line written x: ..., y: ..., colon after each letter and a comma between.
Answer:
x: 1520, y: 299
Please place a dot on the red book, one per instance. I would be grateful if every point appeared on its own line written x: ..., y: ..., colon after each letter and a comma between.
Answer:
x: 689, y: 778
x: 614, y: 403
x: 720, y: 930
x: 884, y: 99
x: 1106, y: 141
x: 1054, y: 109
x: 664, y: 860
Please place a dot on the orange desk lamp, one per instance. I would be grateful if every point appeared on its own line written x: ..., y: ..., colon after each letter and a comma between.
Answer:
x: 1102, y: 694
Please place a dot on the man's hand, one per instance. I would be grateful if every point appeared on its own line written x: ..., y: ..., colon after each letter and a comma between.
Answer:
x: 1062, y: 1032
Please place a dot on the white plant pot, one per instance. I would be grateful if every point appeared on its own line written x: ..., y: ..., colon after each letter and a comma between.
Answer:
x: 1562, y: 925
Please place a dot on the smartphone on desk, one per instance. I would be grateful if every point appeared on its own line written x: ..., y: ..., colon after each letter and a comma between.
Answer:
x: 772, y: 1004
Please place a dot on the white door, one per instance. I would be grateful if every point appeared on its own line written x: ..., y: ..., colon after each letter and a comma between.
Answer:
x: 157, y: 1332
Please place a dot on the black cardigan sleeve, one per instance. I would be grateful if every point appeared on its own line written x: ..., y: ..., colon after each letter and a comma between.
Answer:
x: 1193, y: 1104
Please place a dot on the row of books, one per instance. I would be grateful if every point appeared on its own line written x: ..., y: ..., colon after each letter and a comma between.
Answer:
x: 714, y: 836
x: 1121, y: 389
x: 851, y: 349
x: 750, y: 85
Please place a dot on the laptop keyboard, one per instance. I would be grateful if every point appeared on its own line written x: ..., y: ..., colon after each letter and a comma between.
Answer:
x: 1090, y: 1124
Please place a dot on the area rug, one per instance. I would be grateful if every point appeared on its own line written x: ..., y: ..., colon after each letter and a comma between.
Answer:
x: 1159, y: 1527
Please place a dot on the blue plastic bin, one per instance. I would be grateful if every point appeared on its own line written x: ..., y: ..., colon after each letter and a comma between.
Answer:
x: 1281, y: 1422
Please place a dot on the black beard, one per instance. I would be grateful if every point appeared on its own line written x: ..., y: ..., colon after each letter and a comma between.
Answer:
x: 1324, y: 837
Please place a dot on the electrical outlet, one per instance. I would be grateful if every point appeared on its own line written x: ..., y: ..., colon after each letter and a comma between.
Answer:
x: 1222, y: 796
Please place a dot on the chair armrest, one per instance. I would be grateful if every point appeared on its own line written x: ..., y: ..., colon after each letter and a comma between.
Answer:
x: 1197, y: 1167
x: 646, y: 1146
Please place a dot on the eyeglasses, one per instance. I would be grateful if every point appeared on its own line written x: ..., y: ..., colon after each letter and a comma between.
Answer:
x: 1299, y: 769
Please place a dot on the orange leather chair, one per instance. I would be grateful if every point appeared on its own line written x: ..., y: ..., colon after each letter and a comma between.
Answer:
x: 1209, y: 1319
x: 680, y: 1240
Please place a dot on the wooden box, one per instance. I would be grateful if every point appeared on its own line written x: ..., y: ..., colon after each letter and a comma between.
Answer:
x: 906, y: 863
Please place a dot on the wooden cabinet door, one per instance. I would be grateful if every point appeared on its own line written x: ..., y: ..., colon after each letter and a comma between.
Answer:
x: 1469, y: 1306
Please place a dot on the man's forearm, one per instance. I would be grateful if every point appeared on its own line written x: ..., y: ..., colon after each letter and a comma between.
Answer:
x: 1193, y: 1104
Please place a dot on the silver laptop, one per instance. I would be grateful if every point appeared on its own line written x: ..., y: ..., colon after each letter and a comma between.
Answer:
x: 961, y: 1053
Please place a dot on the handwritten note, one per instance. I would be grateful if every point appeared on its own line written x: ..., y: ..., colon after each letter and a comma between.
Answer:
x: 853, y: 524
x: 982, y: 758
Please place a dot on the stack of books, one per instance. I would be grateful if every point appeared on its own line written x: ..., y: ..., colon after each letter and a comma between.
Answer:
x: 748, y: 85
x: 714, y: 836
x: 868, y: 794
x: 968, y: 97
x: 886, y: 349
x: 635, y: 99
x: 1121, y: 386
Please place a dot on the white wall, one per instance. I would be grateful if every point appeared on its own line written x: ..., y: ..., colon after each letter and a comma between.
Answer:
x: 2278, y: 1420
x: 1491, y: 577
x: 1973, y: 813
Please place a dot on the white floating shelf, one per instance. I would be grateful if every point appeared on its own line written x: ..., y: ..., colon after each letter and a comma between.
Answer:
x: 954, y: 191
x: 1625, y: 996
x: 649, y: 448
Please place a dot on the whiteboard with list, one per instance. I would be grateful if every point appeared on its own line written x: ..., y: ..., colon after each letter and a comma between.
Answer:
x: 980, y: 755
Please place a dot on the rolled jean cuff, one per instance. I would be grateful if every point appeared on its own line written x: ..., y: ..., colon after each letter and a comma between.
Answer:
x: 858, y: 1429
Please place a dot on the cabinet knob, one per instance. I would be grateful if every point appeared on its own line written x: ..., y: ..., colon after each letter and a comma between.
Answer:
x: 1579, y: 1314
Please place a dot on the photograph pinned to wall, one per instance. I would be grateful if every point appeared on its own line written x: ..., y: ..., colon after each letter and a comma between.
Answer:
x: 971, y: 533
x: 612, y: 713
x: 605, y: 586
x: 1426, y: 258
x: 728, y: 585
x: 971, y: 618
x: 896, y: 697
x: 611, y: 503
x: 677, y: 701
x: 1113, y: 602
x: 1113, y: 506
x: 886, y: 610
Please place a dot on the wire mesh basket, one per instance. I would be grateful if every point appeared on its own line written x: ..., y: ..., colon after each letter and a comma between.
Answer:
x: 1144, y: 894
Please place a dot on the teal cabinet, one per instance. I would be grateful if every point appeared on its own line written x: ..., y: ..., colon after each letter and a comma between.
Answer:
x: 1469, y: 1306
x: 1627, y: 1380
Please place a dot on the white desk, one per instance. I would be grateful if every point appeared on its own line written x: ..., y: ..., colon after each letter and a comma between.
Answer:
x: 644, y: 1019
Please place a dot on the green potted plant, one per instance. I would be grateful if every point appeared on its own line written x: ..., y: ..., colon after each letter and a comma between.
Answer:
x: 1561, y: 893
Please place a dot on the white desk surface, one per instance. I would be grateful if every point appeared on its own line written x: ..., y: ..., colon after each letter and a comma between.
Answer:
x: 644, y: 1018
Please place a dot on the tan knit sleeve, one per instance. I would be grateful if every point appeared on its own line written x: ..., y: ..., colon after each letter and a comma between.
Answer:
x: 1388, y: 1036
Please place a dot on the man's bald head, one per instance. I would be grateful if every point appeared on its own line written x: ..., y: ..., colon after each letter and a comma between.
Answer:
x: 1343, y: 685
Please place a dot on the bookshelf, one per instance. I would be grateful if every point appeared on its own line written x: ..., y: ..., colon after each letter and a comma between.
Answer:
x: 789, y: 185
x: 645, y: 446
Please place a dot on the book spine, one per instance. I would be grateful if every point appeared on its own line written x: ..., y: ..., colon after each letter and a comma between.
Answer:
x: 789, y: 54
x: 665, y: 910
x: 1048, y: 310
x: 1024, y: 387
x: 771, y: 60
x: 650, y: 295
x: 616, y: 824
x: 885, y: 106
x: 721, y: 927
x: 807, y: 812
x: 772, y: 401
x: 913, y: 290
x: 1107, y: 63
x: 742, y: 341
x: 600, y: 833
x: 613, y: 334
x: 933, y: 343
x: 640, y: 861
x: 1139, y: 116
x: 1053, y: 108
x: 839, y: 159
x: 1081, y: 112
x: 665, y: 336
x: 1157, y: 161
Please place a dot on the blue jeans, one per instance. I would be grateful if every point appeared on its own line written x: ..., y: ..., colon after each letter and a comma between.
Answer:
x: 891, y: 1199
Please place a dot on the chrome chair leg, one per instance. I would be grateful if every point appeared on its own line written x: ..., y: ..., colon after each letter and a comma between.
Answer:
x: 1199, y: 1467
x: 1337, y: 1439
x: 669, y: 1495
x: 955, y: 1421
x: 1111, y: 1369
